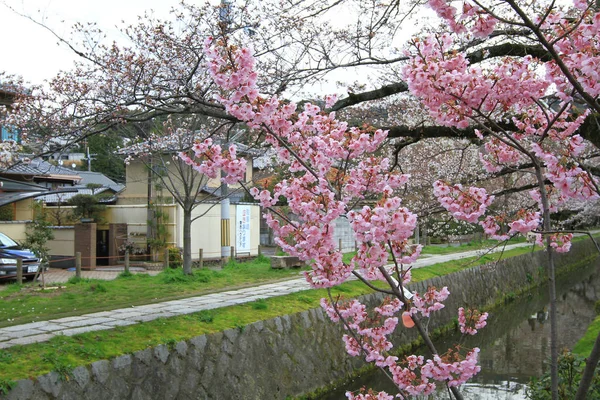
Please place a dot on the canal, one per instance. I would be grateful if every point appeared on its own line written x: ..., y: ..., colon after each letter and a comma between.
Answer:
x: 515, y: 345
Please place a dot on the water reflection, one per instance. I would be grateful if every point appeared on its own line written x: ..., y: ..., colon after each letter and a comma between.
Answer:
x: 515, y: 345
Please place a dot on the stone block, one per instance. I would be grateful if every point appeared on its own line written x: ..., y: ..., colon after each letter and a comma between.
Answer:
x: 285, y: 262
x: 81, y: 375
x: 101, y: 370
x: 51, y: 383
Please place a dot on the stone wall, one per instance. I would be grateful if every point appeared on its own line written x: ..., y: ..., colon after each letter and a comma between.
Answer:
x: 272, y: 359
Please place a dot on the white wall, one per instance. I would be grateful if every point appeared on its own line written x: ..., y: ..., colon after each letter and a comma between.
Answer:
x: 206, y: 230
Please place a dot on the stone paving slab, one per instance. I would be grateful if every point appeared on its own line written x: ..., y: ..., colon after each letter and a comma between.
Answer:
x: 87, y: 321
x: 44, y: 337
x: 84, y: 329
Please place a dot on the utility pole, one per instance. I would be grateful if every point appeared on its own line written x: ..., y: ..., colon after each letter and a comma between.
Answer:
x: 224, y: 16
x: 90, y: 157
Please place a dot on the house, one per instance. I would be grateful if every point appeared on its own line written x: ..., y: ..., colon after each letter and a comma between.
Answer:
x: 143, y: 192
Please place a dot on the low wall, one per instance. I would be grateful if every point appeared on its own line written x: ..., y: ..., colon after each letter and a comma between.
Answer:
x: 14, y: 229
x: 273, y: 359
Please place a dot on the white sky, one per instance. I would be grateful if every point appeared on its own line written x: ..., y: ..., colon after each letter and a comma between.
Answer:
x: 33, y: 52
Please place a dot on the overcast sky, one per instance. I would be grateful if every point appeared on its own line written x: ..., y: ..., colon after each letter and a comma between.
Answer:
x: 32, y: 52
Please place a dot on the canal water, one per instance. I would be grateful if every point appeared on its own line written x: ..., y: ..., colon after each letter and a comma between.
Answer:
x: 515, y: 345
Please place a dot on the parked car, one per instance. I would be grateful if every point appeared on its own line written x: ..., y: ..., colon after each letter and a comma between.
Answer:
x: 10, y: 251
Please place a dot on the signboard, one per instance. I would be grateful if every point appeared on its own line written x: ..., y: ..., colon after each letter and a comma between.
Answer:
x: 242, y: 229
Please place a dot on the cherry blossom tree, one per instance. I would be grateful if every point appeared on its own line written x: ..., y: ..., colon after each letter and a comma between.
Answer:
x: 545, y: 138
x: 517, y: 79
x: 363, y: 188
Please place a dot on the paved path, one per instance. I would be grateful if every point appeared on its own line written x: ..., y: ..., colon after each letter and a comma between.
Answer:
x: 44, y: 330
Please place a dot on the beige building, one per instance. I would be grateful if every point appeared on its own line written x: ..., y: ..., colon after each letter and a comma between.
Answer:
x: 132, y: 208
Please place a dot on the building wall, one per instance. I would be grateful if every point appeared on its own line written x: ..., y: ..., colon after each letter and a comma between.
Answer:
x: 136, y: 175
x: 14, y: 229
x: 24, y: 210
x: 63, y: 243
x: 206, y: 230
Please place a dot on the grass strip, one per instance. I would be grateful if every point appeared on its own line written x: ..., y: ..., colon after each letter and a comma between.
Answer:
x: 63, y: 353
x: 474, y: 245
x: 586, y: 343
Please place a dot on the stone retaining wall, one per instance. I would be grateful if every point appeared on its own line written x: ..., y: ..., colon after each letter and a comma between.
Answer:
x: 272, y: 359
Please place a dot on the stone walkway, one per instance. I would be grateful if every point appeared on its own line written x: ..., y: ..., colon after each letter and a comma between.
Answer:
x: 44, y: 330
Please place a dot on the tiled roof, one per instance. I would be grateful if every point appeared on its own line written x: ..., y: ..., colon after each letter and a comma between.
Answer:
x: 99, y: 178
x: 39, y: 167
x: 57, y: 198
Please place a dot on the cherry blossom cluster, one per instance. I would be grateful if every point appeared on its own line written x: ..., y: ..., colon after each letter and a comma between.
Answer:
x: 498, y: 154
x: 8, y: 150
x: 464, y: 204
x: 461, y: 95
x: 560, y: 242
x: 578, y: 45
x: 414, y: 375
x: 430, y: 301
x: 370, y: 394
x: 455, y: 92
x: 469, y: 321
x: 333, y: 167
x: 214, y: 159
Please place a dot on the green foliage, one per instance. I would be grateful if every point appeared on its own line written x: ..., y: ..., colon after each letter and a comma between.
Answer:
x: 6, y: 213
x: 106, y: 159
x: 259, y: 304
x: 87, y: 206
x: 597, y: 307
x: 262, y: 259
x: 175, y: 259
x: 125, y: 275
x: 529, y: 278
x: 60, y: 363
x: 6, y: 385
x: 206, y: 316
x: 175, y: 276
x: 98, y: 288
x: 74, y: 280
x: 240, y: 326
x: 584, y: 346
x: 509, y: 297
x: 5, y: 357
x: 38, y: 233
x: 159, y: 234
x: 171, y: 343
x: 570, y: 368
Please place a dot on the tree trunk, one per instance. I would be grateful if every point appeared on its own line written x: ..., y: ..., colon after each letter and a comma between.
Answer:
x: 551, y: 285
x: 588, y: 373
x: 187, y: 241
x: 553, y: 322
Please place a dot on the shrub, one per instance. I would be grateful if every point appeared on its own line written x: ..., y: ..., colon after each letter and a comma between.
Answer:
x: 175, y: 259
x: 570, y: 368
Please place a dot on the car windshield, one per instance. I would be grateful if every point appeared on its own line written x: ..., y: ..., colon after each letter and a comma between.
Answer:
x: 5, y: 241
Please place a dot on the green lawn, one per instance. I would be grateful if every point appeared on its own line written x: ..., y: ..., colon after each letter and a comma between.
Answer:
x: 586, y: 343
x: 24, y: 304
x: 475, y: 245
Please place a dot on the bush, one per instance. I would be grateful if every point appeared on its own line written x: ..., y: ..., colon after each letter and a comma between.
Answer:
x: 570, y: 369
x: 6, y: 213
x: 175, y: 258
